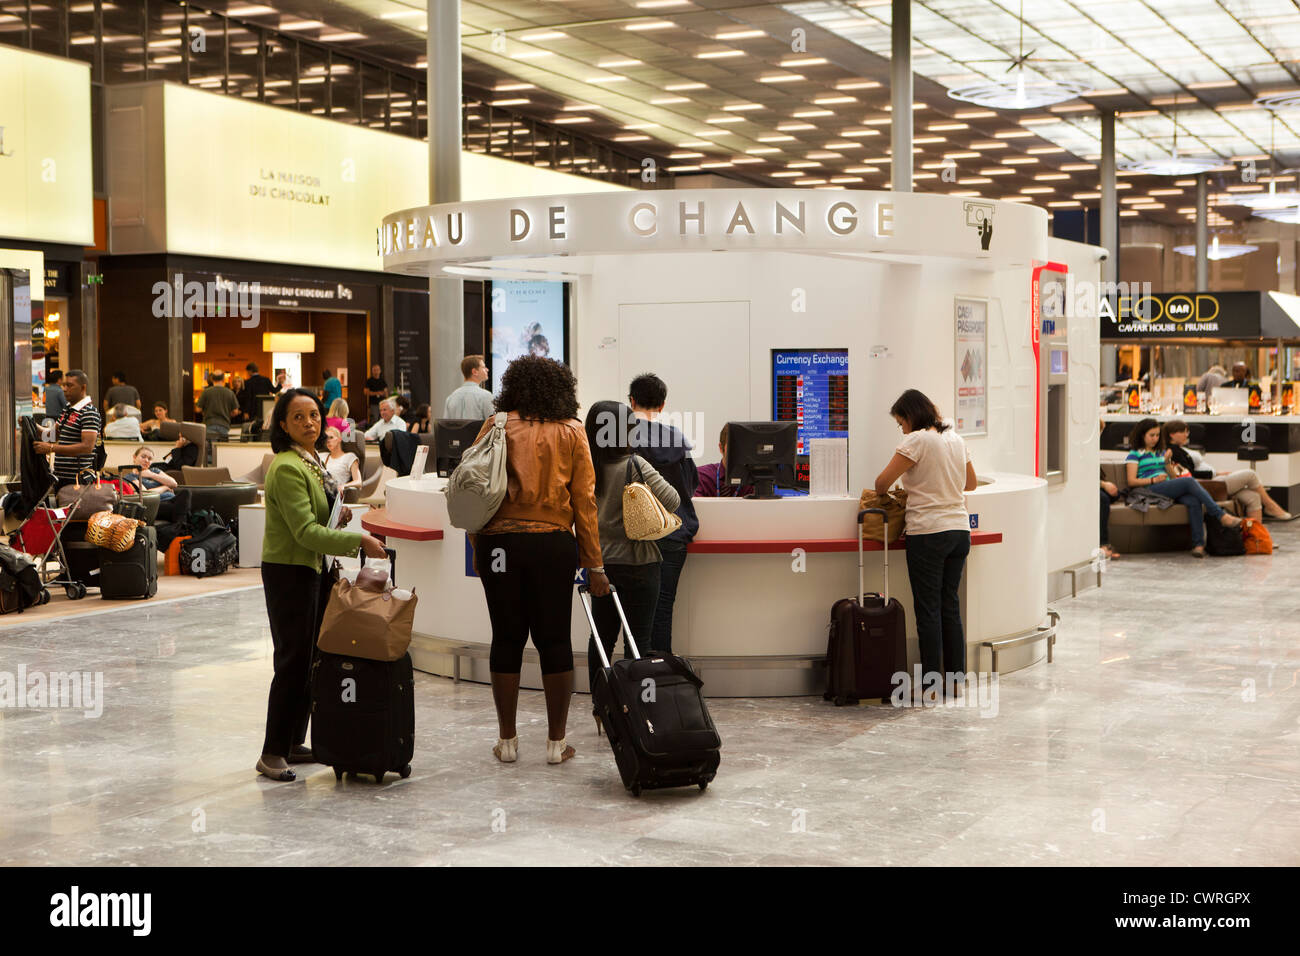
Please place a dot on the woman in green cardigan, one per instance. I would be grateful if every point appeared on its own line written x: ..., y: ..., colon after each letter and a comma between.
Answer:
x: 299, y: 497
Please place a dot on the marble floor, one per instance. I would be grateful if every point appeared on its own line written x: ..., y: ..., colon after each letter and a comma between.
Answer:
x: 1167, y: 732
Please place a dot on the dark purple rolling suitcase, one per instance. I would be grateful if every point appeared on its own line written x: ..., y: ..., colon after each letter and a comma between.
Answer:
x: 868, y: 639
x: 654, y: 715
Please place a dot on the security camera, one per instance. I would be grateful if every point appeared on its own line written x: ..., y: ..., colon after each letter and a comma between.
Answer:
x: 1102, y: 254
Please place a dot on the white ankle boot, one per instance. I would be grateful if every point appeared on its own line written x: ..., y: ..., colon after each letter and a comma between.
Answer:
x: 507, y: 751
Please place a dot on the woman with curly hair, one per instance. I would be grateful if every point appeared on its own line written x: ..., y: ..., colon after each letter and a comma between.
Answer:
x: 526, y: 556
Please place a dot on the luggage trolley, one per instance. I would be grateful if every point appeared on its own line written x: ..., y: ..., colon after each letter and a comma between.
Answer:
x: 52, y: 521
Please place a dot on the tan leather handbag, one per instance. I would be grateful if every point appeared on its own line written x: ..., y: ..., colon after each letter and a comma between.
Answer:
x: 114, y: 532
x: 644, y: 516
x: 360, y: 622
x: 895, y: 505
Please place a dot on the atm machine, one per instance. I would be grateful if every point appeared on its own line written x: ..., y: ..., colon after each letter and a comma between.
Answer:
x: 16, y: 382
x: 1053, y: 372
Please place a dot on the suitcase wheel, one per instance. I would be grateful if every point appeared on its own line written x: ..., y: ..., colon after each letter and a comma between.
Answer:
x: 338, y: 774
x: 704, y: 785
x: 405, y: 771
x: 379, y: 776
x: 636, y: 789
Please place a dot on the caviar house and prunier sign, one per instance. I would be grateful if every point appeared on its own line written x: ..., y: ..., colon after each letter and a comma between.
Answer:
x: 833, y: 221
x: 1180, y: 314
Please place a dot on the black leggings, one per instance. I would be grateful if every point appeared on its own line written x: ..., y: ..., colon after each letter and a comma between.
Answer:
x: 295, y: 599
x: 528, y: 582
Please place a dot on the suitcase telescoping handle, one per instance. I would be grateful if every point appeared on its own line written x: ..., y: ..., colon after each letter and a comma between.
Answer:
x: 392, y: 563
x: 884, y: 533
x: 584, y: 595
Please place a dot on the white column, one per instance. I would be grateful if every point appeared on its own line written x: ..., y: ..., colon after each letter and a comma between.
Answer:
x: 900, y: 80
x: 443, y: 101
x: 1202, y: 236
x: 1109, y: 202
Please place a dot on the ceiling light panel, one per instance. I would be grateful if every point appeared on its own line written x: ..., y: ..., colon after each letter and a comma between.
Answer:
x: 1154, y: 49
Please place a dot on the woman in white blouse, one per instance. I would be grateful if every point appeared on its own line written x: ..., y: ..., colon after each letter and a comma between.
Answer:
x: 343, y: 466
x: 936, y: 471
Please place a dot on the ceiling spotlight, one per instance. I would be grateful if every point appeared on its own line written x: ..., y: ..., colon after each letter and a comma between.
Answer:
x: 1289, y: 215
x: 1173, y: 165
x: 1289, y: 100
x: 1269, y: 200
x: 1217, y: 250
x: 1018, y: 94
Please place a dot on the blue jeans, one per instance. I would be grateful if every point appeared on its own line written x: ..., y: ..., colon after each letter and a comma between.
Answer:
x: 934, y: 565
x: 1188, y: 491
x: 1106, y: 502
x: 670, y: 571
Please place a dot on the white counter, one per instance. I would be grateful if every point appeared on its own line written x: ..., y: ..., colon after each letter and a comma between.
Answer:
x: 744, y: 591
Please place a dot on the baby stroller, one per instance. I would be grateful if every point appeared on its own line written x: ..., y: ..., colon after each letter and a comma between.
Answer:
x: 40, y: 533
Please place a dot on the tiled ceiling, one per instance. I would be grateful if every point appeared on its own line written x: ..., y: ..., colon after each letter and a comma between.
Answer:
x: 723, y: 87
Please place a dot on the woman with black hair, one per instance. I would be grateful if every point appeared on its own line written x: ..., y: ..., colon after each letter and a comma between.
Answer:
x: 1147, y: 466
x: 420, y: 423
x: 936, y: 471
x: 633, y: 566
x: 299, y: 497
x: 526, y: 556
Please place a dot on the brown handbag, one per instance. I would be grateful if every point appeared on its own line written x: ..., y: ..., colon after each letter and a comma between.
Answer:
x: 362, y: 623
x: 114, y: 532
x: 894, y: 504
x: 92, y: 499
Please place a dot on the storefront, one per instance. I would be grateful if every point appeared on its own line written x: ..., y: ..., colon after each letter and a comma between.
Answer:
x: 1168, y: 341
x: 224, y: 314
x: 46, y: 221
x: 715, y: 290
x: 276, y: 209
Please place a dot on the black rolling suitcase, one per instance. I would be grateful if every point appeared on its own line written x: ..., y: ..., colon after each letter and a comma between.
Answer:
x: 868, y: 639
x: 654, y: 715
x: 83, y: 562
x: 132, y: 573
x: 363, y: 714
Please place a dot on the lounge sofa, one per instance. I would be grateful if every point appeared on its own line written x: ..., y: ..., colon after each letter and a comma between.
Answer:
x: 1136, y: 532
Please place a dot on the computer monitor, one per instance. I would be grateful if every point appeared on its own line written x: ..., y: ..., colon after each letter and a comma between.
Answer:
x: 451, y: 437
x: 760, y: 453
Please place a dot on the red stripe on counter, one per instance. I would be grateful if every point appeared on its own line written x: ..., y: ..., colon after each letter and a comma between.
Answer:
x: 815, y: 545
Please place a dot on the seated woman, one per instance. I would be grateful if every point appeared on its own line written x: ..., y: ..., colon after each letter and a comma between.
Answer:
x: 183, y: 453
x: 1147, y: 467
x: 420, y: 422
x: 1243, y: 484
x: 337, y: 417
x: 341, y: 465
x: 150, y: 428
x: 175, y: 500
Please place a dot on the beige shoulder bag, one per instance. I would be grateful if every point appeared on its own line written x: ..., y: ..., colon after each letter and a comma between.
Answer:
x: 644, y: 516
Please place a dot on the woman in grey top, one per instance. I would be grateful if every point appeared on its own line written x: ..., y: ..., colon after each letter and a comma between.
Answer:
x: 631, y: 566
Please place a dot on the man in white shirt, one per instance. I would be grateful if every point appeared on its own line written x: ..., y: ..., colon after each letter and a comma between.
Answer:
x: 389, y: 421
x: 123, y: 424
x: 471, y: 400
